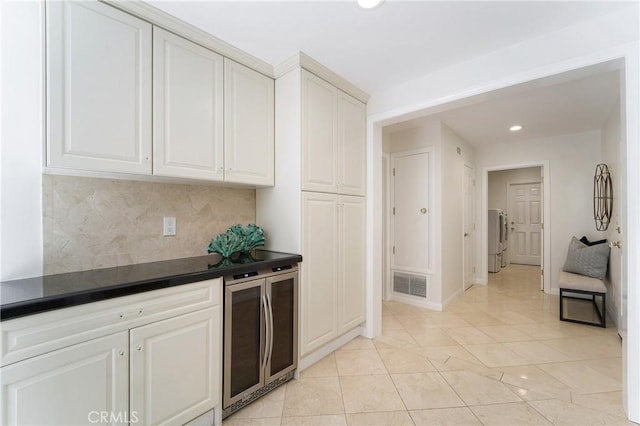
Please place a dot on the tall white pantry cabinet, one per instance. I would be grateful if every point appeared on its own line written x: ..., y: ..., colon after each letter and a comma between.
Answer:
x: 317, y: 207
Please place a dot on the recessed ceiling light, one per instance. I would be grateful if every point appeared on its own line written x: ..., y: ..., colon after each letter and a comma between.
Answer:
x: 370, y: 4
x: 515, y: 128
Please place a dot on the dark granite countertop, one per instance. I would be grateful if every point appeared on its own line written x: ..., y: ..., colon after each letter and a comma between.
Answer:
x: 39, y: 294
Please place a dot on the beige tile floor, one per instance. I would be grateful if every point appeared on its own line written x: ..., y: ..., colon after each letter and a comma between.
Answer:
x: 496, y: 356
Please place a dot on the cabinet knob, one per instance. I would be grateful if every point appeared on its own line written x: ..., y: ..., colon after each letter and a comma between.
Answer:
x: 139, y: 348
x: 121, y: 353
x: 423, y: 210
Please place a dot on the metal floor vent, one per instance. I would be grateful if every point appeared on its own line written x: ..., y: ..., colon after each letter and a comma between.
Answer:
x: 410, y: 284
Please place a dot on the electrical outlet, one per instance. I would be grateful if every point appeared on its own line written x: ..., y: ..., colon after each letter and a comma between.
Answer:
x: 169, y: 227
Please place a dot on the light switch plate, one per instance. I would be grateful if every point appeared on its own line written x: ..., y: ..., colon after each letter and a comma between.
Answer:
x: 169, y: 226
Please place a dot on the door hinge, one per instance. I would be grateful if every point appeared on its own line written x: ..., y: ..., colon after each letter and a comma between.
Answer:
x: 394, y: 171
x: 542, y: 272
x: 474, y: 226
x: 394, y: 210
x: 474, y: 269
x: 542, y: 225
x: 394, y: 249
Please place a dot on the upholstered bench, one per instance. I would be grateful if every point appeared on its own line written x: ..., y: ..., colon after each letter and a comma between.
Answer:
x: 581, y: 284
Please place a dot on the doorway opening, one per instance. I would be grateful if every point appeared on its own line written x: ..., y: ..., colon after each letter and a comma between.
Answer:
x: 515, y: 219
x: 522, y: 192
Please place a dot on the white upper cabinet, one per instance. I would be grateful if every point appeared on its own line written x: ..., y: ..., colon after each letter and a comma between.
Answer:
x: 188, y: 108
x: 125, y: 96
x: 319, y: 134
x: 333, y: 139
x: 249, y: 126
x: 99, y: 88
x: 351, y: 145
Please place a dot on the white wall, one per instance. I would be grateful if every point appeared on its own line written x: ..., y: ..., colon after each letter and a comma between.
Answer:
x: 611, y: 157
x: 452, y: 211
x: 422, y: 136
x: 499, y: 181
x: 446, y: 279
x: 572, y: 160
x: 427, y: 135
x: 21, y: 139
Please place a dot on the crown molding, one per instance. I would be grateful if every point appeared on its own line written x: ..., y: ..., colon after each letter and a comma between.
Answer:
x: 302, y: 60
x: 177, y: 26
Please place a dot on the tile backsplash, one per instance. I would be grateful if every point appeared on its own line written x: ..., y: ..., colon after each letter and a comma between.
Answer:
x: 96, y: 223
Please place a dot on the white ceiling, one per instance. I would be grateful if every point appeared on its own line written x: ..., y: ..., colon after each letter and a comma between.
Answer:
x: 402, y: 40
x: 577, y: 103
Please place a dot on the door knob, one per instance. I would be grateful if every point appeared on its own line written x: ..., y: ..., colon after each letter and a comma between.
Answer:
x: 466, y: 234
x: 423, y: 210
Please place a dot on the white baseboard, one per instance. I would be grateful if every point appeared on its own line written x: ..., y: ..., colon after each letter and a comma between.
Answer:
x: 415, y: 302
x: 318, y: 354
x: 451, y: 298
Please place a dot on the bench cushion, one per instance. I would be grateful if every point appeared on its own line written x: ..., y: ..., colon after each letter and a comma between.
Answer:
x: 571, y: 281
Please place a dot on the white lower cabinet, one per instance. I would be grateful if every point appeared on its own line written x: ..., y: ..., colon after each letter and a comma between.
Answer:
x: 148, y: 371
x: 78, y: 385
x: 175, y: 367
x: 333, y: 281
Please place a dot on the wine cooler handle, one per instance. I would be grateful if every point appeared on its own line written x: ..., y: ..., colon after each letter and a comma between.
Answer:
x: 265, y: 310
x: 270, y: 338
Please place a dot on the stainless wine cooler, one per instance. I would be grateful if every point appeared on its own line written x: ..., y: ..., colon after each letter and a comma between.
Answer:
x: 260, y: 334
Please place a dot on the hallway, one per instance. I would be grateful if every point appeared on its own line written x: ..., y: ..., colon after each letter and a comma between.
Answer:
x: 496, y: 356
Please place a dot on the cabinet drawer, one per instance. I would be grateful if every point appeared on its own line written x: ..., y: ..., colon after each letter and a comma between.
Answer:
x: 22, y: 338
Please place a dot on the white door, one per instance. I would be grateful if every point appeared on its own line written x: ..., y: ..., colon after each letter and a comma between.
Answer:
x: 187, y: 108
x: 525, y: 223
x: 319, y: 134
x: 469, y: 234
x: 319, y: 283
x: 351, y: 145
x: 351, y: 262
x: 99, y: 88
x: 175, y: 367
x: 69, y: 386
x: 410, y: 212
x: 249, y: 125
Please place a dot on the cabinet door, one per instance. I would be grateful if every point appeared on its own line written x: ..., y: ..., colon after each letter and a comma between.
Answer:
x: 351, y: 262
x: 187, y: 108
x: 99, y: 88
x: 249, y: 125
x: 318, y: 285
x: 351, y: 159
x: 175, y: 367
x: 319, y: 134
x: 70, y: 386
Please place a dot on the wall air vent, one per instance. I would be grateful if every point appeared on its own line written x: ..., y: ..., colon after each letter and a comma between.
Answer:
x: 410, y: 284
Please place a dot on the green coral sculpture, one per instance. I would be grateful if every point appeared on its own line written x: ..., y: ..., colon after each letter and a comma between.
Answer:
x: 237, y: 240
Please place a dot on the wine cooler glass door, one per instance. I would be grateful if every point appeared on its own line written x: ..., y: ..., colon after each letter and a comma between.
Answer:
x: 282, y: 349
x: 245, y: 340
